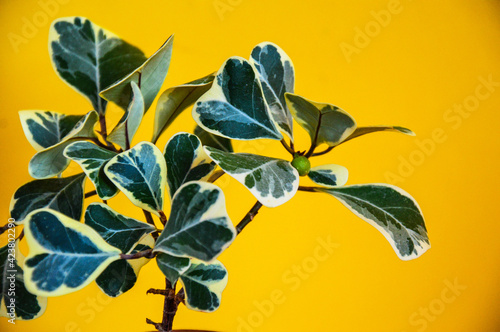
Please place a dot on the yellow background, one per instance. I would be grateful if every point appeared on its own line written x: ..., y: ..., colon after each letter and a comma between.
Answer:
x: 429, y: 56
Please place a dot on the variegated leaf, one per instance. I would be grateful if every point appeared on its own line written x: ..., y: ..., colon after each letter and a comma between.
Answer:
x: 92, y: 159
x: 214, y: 141
x: 204, y: 284
x: 51, y: 161
x: 186, y: 161
x: 172, y: 266
x: 360, y: 131
x: 90, y: 58
x: 235, y: 106
x: 140, y: 173
x: 120, y: 276
x: 175, y: 100
x: 119, y: 231
x: 325, y: 123
x: 276, y: 74
x: 44, y: 129
x: 149, y: 76
x: 126, y: 128
x: 272, y: 181
x: 199, y: 226
x: 329, y: 175
x: 392, y: 211
x: 15, y: 300
x: 64, y: 254
x: 60, y: 194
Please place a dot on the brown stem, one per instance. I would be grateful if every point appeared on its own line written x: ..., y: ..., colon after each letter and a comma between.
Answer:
x: 157, y: 326
x: 323, y: 152
x: 169, y: 308
x: 146, y: 253
x: 290, y: 149
x: 163, y: 217
x: 149, y: 219
x: 214, y: 177
x: 102, y: 123
x: 90, y: 193
x: 248, y: 217
x: 4, y: 228
x: 310, y: 189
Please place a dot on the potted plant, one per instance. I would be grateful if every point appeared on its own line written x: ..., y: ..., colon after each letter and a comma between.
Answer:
x: 185, y: 225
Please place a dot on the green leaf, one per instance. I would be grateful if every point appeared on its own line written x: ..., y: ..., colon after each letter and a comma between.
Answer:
x: 360, y: 131
x: 60, y: 194
x: 117, y: 230
x: 92, y: 159
x: 272, y: 181
x: 199, y: 226
x: 325, y: 123
x: 171, y: 266
x: 51, y: 161
x: 329, y: 175
x: 390, y: 210
x: 276, y: 74
x: 149, y: 76
x: 140, y: 173
x: 16, y: 302
x: 44, y: 129
x: 204, y: 284
x: 65, y: 255
x: 175, y: 100
x: 90, y: 58
x: 186, y: 161
x: 235, y: 107
x: 214, y: 141
x: 120, y: 276
x: 126, y: 128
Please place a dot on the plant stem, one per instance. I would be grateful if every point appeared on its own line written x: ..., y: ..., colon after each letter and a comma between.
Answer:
x: 248, y: 217
x: 90, y: 193
x: 169, y: 307
x: 290, y: 149
x: 163, y: 217
x: 309, y: 189
x: 146, y: 253
x: 323, y: 152
x: 214, y: 177
x: 149, y: 219
x: 4, y: 228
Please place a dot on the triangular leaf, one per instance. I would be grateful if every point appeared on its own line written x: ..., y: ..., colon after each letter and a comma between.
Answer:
x: 65, y: 255
x: 90, y: 58
x: 15, y: 301
x: 214, y: 141
x: 149, y: 76
x: 172, y: 267
x: 61, y: 194
x: 329, y: 175
x: 390, y: 210
x: 186, y: 161
x: 175, y: 100
x: 360, y: 131
x: 140, y: 173
x: 276, y: 74
x: 272, y: 181
x: 325, y: 123
x: 51, y: 161
x: 44, y: 129
x: 119, y: 231
x: 235, y: 106
x: 126, y: 128
x: 199, y: 226
x: 204, y: 284
x: 120, y: 276
x: 92, y: 159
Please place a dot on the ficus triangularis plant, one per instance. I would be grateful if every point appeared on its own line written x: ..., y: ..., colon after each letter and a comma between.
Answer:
x: 245, y: 99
